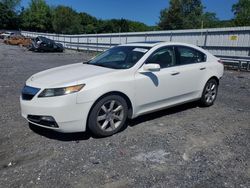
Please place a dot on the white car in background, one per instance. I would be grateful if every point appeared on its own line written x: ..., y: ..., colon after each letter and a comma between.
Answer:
x: 6, y: 35
x: 124, y: 82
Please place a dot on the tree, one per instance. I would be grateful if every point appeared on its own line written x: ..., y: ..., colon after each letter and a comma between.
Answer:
x: 8, y: 17
x: 66, y: 20
x: 192, y: 11
x: 123, y: 25
x: 106, y: 26
x: 210, y: 20
x: 242, y: 13
x: 11, y: 4
x: 88, y: 22
x: 37, y: 16
x: 226, y: 23
x: 120, y: 25
x: 62, y: 19
x: 182, y: 14
x: 172, y: 18
x: 137, y: 26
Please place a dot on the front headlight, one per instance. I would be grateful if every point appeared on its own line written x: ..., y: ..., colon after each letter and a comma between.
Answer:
x: 52, y: 92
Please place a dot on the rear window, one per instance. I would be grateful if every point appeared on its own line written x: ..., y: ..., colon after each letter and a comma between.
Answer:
x: 187, y: 55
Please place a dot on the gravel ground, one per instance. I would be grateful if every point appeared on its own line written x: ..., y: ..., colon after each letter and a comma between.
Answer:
x: 185, y: 146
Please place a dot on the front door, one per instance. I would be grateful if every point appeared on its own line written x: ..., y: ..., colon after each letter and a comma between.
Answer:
x: 156, y: 90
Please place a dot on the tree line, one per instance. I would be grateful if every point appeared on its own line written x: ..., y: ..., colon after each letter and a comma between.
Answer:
x: 181, y: 14
x: 190, y: 14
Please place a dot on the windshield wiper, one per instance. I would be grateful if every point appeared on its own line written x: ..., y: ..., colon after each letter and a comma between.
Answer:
x: 99, y: 65
x: 86, y: 62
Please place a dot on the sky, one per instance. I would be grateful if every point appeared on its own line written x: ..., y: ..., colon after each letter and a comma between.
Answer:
x: 146, y: 11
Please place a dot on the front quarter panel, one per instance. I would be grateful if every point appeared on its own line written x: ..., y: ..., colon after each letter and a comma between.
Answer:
x: 119, y: 81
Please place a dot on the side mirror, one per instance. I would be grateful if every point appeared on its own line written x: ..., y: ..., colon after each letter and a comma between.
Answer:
x: 151, y: 67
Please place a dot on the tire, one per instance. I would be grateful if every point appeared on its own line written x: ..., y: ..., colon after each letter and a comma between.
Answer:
x: 108, y: 116
x: 209, y: 93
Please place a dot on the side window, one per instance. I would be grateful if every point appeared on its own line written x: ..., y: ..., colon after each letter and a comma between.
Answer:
x: 134, y: 57
x: 188, y: 55
x: 165, y: 57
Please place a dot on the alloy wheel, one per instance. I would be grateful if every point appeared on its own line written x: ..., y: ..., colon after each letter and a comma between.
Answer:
x: 210, y: 92
x: 110, y: 115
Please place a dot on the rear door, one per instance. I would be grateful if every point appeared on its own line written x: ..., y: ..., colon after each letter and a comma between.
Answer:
x: 193, y: 70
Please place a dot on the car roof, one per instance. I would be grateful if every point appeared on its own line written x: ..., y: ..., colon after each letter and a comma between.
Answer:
x: 44, y: 39
x: 152, y: 44
x: 7, y: 32
x: 155, y: 43
x: 143, y: 44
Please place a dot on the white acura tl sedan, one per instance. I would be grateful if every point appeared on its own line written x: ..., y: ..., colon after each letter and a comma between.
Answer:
x: 123, y: 82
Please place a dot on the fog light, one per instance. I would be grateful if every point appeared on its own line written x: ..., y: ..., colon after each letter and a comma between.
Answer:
x: 48, y: 121
x: 47, y: 118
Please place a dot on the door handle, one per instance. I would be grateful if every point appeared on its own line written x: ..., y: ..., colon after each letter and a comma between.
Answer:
x: 175, y: 73
x: 202, y: 68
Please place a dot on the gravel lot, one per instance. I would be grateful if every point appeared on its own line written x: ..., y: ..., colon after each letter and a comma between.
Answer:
x: 185, y: 146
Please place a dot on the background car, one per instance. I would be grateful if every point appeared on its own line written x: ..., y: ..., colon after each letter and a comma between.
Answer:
x: 43, y: 44
x: 6, y: 34
x: 124, y: 82
x: 18, y: 40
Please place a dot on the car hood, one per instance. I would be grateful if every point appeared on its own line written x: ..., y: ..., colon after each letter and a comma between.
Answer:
x: 66, y: 75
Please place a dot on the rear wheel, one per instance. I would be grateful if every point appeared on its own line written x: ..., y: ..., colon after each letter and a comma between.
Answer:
x: 209, y: 93
x: 108, y: 115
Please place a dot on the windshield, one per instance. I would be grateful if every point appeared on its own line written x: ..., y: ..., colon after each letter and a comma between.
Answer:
x: 121, y: 57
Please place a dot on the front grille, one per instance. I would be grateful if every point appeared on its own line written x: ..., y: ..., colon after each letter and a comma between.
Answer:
x: 48, y: 121
x: 29, y: 92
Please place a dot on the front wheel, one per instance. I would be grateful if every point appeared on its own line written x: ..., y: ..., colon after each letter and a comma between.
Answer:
x: 209, y: 93
x: 108, y: 115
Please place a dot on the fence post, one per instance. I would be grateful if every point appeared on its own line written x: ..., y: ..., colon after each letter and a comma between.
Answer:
x: 110, y: 41
x: 96, y: 42
x: 205, y: 40
x: 64, y: 41
x: 70, y: 42
x: 145, y: 37
x: 239, y: 66
x: 171, y: 36
x: 120, y: 39
x: 77, y: 43
x: 87, y: 44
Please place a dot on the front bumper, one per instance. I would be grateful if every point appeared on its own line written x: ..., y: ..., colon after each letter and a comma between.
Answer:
x: 69, y: 115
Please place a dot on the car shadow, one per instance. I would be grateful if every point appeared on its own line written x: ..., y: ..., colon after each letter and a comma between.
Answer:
x: 44, y: 52
x: 87, y: 135
x: 60, y: 136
